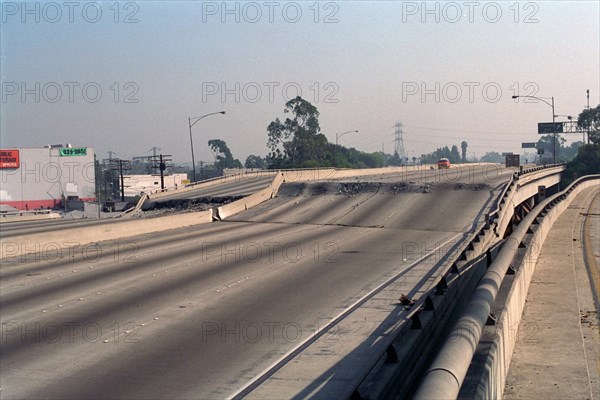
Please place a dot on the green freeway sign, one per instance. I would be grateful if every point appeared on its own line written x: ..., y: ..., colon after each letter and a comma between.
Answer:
x: 546, y: 127
x: 72, y: 151
x: 528, y: 145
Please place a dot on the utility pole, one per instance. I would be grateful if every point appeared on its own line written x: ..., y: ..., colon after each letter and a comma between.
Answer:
x: 120, y: 165
x: 96, y: 170
x: 160, y: 163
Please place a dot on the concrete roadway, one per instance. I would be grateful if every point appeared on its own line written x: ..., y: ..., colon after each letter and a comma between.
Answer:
x: 198, y: 312
x: 243, y: 186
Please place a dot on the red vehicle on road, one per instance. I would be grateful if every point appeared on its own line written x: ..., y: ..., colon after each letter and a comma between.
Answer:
x: 444, y: 163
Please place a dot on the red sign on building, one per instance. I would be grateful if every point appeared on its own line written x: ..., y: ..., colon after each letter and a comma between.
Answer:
x: 9, y: 158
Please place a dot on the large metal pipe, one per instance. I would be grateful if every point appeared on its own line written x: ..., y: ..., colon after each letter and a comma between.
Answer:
x: 447, y: 372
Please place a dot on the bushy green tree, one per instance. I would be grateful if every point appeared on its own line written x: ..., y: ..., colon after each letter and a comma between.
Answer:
x: 589, y: 120
x: 492, y: 157
x: 223, y: 157
x: 298, y: 142
x: 253, y: 161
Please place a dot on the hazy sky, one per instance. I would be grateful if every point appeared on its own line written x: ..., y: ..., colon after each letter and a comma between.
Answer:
x: 125, y: 76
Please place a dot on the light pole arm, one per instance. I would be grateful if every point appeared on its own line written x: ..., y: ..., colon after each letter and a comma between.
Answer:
x: 339, y: 135
x: 553, y: 119
x: 538, y: 98
x: 196, y: 119
x: 190, y: 124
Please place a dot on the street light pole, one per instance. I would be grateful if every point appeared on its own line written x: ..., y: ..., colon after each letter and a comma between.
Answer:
x: 190, y: 124
x: 553, y: 118
x: 337, y: 137
x: 554, y: 129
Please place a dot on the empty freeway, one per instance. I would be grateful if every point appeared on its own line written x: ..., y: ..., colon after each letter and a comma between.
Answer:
x: 200, y: 312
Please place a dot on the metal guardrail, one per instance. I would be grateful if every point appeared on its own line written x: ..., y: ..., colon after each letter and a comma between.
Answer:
x: 474, y: 245
x: 446, y: 375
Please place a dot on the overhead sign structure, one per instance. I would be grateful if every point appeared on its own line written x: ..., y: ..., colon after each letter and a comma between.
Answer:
x: 9, y: 158
x: 528, y: 145
x: 545, y: 128
x: 72, y: 151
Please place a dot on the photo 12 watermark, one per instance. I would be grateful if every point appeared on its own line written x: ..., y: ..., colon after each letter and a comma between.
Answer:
x: 269, y: 252
x: 53, y: 172
x: 269, y: 92
x: 53, y: 251
x: 70, y: 92
x: 252, y: 12
x: 49, y: 332
x: 54, y: 12
x: 465, y: 92
x: 453, y: 12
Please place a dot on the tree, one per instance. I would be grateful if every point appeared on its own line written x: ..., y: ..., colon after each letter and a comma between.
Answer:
x: 587, y: 160
x: 440, y: 152
x: 454, y: 155
x: 463, y: 147
x: 546, y: 142
x: 223, y: 157
x: 296, y: 139
x: 395, y: 159
x: 253, y: 161
x: 492, y: 157
x: 589, y: 120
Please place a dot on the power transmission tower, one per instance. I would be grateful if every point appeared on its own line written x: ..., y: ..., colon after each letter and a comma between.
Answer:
x: 398, y: 142
x: 154, y: 151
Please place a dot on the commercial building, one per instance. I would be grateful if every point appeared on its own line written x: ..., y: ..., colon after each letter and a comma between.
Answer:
x: 135, y: 185
x: 34, y: 178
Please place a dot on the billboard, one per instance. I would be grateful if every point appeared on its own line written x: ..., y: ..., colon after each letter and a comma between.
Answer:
x: 9, y: 158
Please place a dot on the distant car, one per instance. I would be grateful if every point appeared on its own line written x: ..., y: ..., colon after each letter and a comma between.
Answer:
x: 444, y: 163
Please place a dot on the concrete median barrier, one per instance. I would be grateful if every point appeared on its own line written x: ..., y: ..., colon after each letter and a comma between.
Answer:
x: 254, y: 199
x: 27, y: 216
x: 69, y: 237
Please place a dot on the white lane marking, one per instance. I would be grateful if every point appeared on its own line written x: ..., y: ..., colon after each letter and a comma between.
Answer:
x: 275, y: 366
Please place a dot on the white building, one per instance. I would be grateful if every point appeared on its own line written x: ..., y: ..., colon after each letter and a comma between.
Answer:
x: 135, y: 185
x: 33, y: 178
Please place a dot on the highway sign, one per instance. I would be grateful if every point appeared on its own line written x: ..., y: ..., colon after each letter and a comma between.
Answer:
x: 528, y: 145
x: 545, y: 128
x: 513, y: 160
